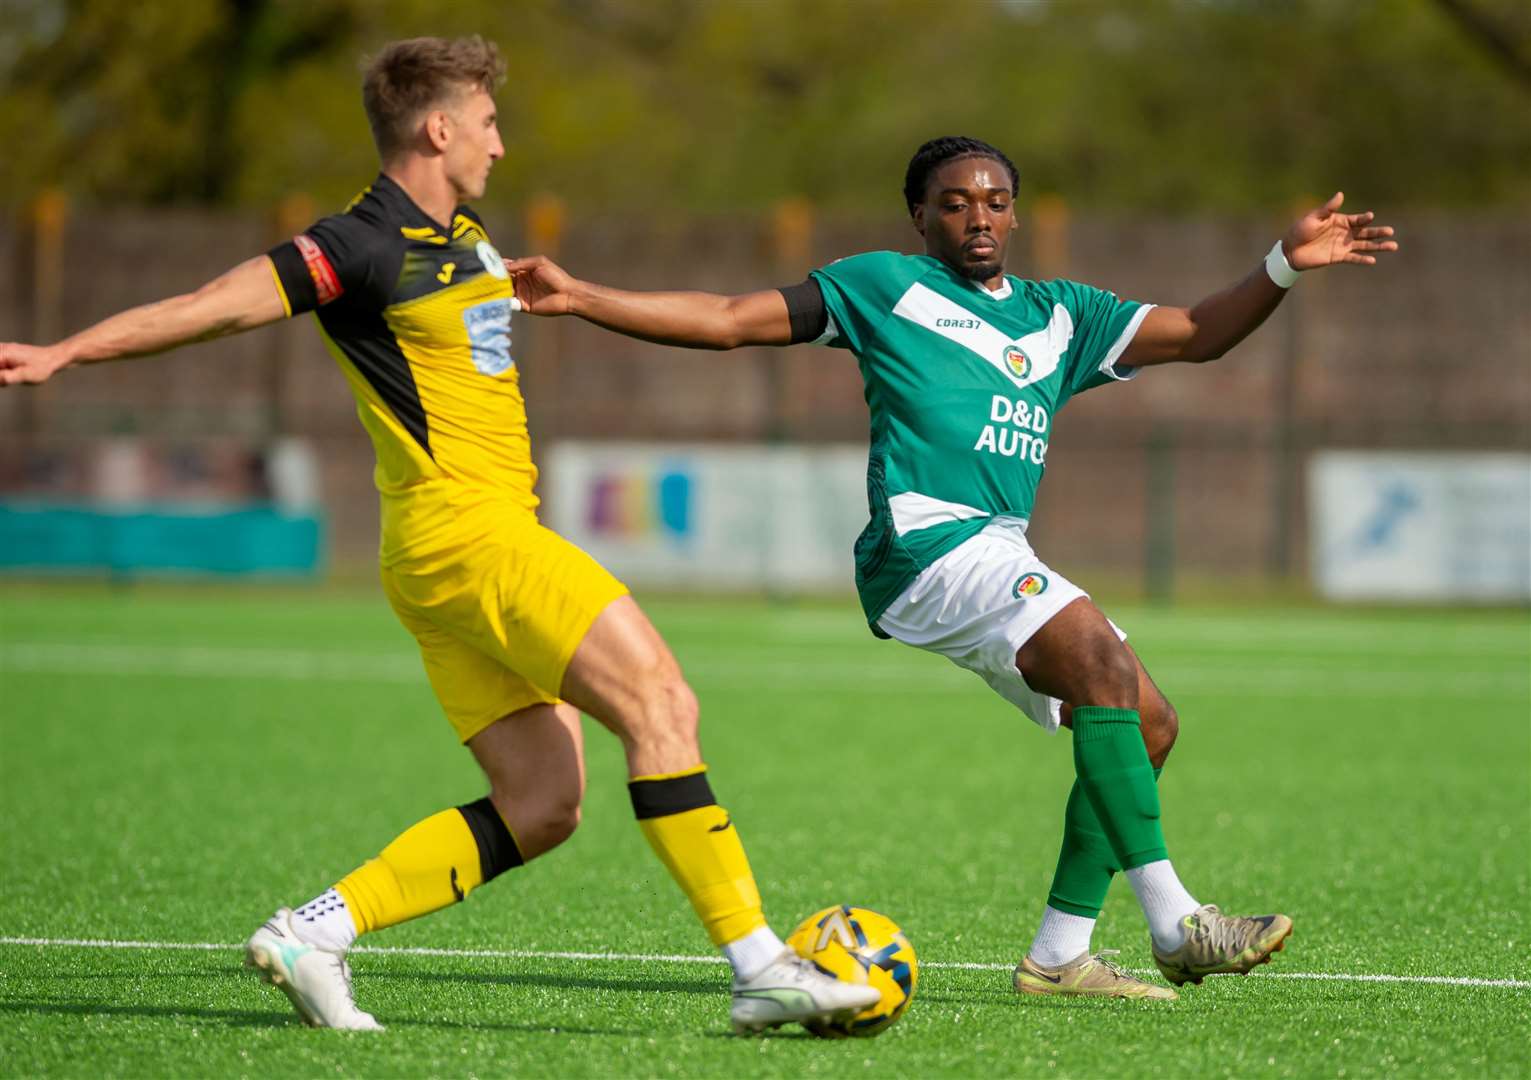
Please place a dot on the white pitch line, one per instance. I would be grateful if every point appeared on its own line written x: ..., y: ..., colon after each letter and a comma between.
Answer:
x: 803, y: 674
x: 659, y: 958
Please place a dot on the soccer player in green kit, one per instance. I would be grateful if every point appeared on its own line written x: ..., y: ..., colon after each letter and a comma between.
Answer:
x: 965, y: 368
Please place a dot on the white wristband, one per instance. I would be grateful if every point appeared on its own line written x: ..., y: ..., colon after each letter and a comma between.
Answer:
x: 1279, y: 269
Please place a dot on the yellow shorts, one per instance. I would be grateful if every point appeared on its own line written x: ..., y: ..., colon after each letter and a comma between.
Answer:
x: 498, y: 621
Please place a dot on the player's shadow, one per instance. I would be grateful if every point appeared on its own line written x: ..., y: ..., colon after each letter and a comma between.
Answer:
x: 212, y: 974
x: 626, y: 984
x: 967, y: 997
x: 242, y: 1018
x: 245, y: 1018
x: 227, y: 1017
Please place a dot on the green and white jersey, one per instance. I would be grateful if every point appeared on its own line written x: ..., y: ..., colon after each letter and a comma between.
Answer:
x: 963, y: 384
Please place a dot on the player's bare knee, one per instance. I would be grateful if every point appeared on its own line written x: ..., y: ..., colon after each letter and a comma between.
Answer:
x: 546, y: 826
x: 1169, y: 724
x: 1161, y: 726
x: 538, y: 820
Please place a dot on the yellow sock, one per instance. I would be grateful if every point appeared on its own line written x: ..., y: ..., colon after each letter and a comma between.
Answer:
x: 433, y: 863
x: 696, y: 840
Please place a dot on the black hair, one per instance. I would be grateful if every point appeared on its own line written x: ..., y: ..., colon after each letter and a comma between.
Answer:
x: 937, y: 152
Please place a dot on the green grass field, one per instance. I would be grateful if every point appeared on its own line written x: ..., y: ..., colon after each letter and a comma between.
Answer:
x: 175, y: 763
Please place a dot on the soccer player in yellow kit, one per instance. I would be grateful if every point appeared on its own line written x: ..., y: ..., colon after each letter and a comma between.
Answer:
x: 518, y: 629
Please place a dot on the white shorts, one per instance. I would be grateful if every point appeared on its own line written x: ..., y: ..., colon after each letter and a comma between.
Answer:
x: 978, y: 604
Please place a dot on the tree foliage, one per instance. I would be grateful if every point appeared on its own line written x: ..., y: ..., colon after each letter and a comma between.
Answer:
x: 686, y: 105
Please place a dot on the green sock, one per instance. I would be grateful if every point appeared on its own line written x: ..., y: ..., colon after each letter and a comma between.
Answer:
x: 1118, y: 783
x: 1086, y: 863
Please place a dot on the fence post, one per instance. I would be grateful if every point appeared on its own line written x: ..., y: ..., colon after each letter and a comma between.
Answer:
x: 50, y: 214
x: 1284, y: 485
x: 294, y: 213
x: 791, y: 245
x: 1159, y: 507
x: 543, y: 227
x: 1284, y: 452
x: 1049, y: 237
x: 48, y: 217
x: 545, y: 224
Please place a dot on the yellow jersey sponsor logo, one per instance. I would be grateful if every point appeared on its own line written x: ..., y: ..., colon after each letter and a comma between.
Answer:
x: 445, y: 276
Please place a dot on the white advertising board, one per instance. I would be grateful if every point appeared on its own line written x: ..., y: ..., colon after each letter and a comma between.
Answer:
x: 1436, y: 527
x: 731, y: 517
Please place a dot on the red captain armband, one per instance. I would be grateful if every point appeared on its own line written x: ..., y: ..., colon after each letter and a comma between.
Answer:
x: 326, y: 282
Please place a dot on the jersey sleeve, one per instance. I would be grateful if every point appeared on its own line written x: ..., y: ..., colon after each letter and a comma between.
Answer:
x: 337, y: 257
x: 1104, y: 325
x: 860, y: 293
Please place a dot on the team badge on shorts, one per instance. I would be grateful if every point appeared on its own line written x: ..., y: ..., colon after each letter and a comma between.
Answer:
x: 1020, y: 366
x: 1029, y: 585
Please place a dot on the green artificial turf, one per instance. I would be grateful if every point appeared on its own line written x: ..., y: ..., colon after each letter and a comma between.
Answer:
x: 175, y: 763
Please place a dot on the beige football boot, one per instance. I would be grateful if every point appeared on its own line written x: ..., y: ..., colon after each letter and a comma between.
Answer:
x: 1217, y: 944
x: 1087, y: 975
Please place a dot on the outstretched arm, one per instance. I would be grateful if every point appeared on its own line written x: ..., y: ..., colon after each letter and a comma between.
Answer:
x: 697, y: 320
x: 243, y: 298
x: 1322, y: 237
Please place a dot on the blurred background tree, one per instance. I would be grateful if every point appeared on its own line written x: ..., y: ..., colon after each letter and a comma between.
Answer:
x: 688, y: 105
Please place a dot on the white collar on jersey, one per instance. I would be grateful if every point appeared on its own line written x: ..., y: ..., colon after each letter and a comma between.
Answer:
x: 1001, y: 293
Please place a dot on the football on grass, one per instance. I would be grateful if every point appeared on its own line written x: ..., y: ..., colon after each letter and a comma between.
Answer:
x: 860, y: 946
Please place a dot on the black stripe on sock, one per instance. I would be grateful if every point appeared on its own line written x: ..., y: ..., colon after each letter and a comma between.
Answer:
x: 497, y: 851
x: 673, y: 795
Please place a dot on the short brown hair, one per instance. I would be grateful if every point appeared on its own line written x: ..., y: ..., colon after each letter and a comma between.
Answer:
x: 409, y: 77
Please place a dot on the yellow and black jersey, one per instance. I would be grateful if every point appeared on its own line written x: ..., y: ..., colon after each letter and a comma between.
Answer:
x: 417, y: 314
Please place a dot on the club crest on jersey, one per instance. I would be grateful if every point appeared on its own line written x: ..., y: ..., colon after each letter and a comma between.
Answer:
x: 491, y: 260
x: 1022, y: 360
x: 1029, y: 585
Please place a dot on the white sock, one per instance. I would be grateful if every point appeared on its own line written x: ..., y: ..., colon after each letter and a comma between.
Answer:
x: 1060, y: 938
x: 754, y: 952
x: 325, y: 921
x: 1164, y: 901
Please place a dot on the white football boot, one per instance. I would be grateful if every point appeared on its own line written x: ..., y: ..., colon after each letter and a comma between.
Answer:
x: 317, y: 981
x: 791, y: 988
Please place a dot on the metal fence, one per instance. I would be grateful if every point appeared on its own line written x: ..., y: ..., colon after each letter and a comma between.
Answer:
x: 1186, y: 471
